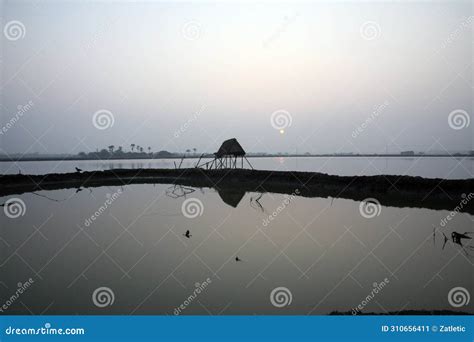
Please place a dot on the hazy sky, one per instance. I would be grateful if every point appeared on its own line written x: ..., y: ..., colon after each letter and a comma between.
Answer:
x: 189, y: 75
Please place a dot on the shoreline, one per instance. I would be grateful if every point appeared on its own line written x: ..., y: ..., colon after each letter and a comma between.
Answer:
x: 207, y: 156
x: 394, y: 191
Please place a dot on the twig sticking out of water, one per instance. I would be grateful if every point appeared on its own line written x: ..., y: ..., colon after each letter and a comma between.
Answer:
x: 255, y: 202
x: 49, y: 198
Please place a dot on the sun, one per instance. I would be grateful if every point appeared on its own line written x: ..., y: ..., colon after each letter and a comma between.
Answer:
x: 282, y: 131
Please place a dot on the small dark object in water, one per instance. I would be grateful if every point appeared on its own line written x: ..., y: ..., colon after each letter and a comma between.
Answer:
x: 78, y: 189
x: 187, y: 234
x: 78, y: 169
x: 458, y: 236
x: 237, y: 259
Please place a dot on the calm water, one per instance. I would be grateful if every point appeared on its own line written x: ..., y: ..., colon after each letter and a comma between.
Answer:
x: 322, y: 250
x: 450, y: 168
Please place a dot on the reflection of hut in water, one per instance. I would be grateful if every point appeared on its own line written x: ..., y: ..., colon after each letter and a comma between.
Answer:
x: 231, y: 197
x: 230, y: 155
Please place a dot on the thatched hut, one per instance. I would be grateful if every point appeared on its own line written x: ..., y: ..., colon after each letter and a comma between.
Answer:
x: 230, y: 148
x: 228, y: 156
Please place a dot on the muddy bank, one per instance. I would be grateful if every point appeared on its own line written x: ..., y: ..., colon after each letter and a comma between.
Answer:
x: 396, y: 191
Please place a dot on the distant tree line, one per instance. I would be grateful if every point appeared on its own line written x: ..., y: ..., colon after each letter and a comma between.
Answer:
x: 135, y: 152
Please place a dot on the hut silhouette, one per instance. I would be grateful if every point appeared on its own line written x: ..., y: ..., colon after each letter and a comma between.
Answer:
x: 229, y: 156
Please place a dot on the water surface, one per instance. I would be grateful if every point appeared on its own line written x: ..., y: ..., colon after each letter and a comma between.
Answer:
x: 430, y: 167
x: 322, y: 250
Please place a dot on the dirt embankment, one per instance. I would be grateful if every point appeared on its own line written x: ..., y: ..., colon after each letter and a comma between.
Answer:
x: 397, y: 191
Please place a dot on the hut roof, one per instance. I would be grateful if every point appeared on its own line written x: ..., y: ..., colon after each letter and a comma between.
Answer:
x: 230, y: 147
